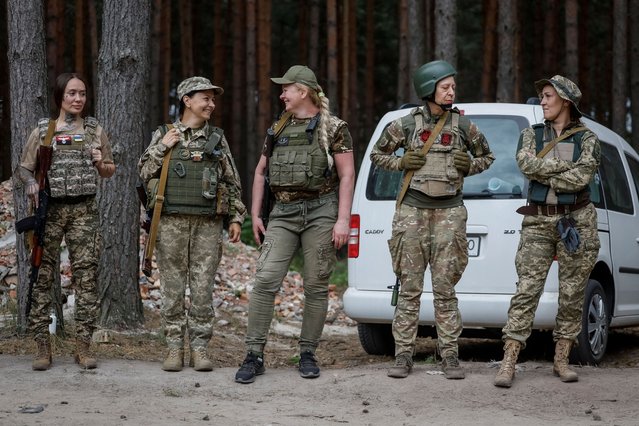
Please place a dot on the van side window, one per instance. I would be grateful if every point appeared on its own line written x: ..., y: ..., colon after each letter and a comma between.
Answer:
x: 634, y: 171
x: 615, y: 181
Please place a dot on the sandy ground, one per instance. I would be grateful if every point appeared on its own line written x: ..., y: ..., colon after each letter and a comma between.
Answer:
x: 123, y: 392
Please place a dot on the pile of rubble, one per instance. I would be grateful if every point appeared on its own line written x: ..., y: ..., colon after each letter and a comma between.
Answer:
x: 233, y: 281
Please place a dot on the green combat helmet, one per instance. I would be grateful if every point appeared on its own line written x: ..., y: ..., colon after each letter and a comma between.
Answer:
x: 425, y: 78
x: 565, y: 88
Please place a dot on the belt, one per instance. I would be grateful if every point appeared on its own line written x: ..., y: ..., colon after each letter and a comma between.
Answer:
x: 72, y: 200
x: 551, y: 209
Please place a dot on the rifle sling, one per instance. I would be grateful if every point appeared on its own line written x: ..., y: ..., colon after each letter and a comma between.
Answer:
x: 552, y: 143
x: 159, y: 201
x: 429, y: 143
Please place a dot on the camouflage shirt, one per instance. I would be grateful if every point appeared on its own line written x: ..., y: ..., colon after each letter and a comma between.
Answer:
x: 150, y: 165
x: 561, y: 175
x: 340, y: 142
x: 399, y: 134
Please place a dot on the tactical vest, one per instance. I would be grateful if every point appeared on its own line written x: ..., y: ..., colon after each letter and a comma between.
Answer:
x: 298, y: 162
x: 568, y: 149
x: 192, y: 182
x: 438, y: 177
x: 72, y: 173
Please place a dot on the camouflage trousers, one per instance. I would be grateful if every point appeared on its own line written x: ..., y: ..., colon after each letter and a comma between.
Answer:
x: 78, y: 224
x: 309, y: 224
x: 538, y: 245
x: 189, y: 249
x: 422, y: 237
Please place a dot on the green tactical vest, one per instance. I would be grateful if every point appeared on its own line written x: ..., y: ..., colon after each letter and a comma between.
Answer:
x: 191, y: 185
x: 72, y: 173
x: 438, y: 177
x: 543, y: 194
x: 298, y: 162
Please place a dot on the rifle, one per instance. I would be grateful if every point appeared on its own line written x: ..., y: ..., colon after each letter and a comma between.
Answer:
x: 146, y: 225
x: 268, y: 197
x: 38, y: 221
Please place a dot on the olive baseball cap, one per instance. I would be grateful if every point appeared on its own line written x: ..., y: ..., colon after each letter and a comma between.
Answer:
x: 298, y: 74
x: 565, y: 88
x: 196, y: 84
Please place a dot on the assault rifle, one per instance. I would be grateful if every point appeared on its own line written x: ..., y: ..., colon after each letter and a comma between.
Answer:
x: 38, y: 221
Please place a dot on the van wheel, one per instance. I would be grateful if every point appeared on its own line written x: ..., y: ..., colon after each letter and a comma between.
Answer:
x: 593, y: 338
x: 376, y: 339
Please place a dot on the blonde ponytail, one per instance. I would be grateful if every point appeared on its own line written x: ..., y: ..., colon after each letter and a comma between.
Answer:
x: 320, y: 99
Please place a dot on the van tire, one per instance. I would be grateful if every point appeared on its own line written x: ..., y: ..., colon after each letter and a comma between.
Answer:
x: 376, y: 339
x: 593, y: 338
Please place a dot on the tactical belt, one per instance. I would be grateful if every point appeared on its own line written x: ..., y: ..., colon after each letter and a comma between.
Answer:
x: 551, y: 209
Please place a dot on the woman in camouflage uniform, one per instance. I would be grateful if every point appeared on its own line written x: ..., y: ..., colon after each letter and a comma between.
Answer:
x: 311, y: 172
x: 558, y: 205
x: 203, y: 191
x: 81, y: 152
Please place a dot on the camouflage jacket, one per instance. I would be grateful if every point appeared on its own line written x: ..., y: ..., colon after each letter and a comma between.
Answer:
x: 150, y: 166
x: 399, y: 134
x: 560, y: 175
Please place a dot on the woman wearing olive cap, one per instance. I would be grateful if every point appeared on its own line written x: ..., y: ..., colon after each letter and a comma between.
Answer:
x: 558, y: 205
x: 202, y: 192
x: 311, y: 172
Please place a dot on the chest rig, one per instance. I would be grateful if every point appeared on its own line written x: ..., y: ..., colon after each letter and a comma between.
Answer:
x: 192, y: 182
x: 438, y: 177
x: 72, y: 173
x: 568, y: 149
x: 298, y: 161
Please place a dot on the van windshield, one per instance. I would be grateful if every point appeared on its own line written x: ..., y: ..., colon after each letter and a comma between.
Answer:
x: 502, y: 179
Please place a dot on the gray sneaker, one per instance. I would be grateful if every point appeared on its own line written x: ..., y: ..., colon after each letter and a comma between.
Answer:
x: 403, y: 366
x: 451, y: 368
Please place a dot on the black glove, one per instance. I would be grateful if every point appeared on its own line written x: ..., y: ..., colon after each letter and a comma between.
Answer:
x: 412, y: 160
x: 461, y: 161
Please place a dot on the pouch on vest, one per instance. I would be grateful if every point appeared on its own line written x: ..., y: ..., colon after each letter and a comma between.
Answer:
x: 151, y: 193
x: 438, y: 177
x: 209, y: 183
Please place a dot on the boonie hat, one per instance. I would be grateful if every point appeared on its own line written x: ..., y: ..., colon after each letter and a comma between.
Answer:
x: 196, y: 84
x: 565, y: 88
x: 298, y: 74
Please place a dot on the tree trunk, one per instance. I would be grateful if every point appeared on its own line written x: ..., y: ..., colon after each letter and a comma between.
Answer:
x: 506, y: 76
x: 369, y: 84
x: 345, y: 33
x: 584, y: 55
x: 551, y: 46
x: 29, y: 102
x: 122, y: 68
x: 219, y: 61
x: 165, y: 55
x: 331, y: 50
x: 93, y: 52
x: 620, y: 66
x: 186, y: 38
x: 633, y: 14
x: 80, y: 34
x: 403, y: 71
x: 572, y: 40
x: 238, y: 87
x: 55, y: 40
x: 415, y: 45
x: 264, y: 84
x: 252, y: 145
x: 446, y: 31
x: 156, y: 96
x: 314, y: 30
x: 490, y: 51
x: 5, y: 117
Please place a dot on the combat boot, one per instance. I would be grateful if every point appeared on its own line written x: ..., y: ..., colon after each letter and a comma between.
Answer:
x: 560, y: 366
x: 451, y: 368
x: 42, y: 360
x: 83, y: 355
x: 506, y: 373
x: 403, y: 366
x: 199, y: 360
x: 174, y: 360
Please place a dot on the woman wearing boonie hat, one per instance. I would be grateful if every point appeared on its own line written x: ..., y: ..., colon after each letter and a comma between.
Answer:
x: 202, y: 192
x: 308, y: 160
x: 560, y: 158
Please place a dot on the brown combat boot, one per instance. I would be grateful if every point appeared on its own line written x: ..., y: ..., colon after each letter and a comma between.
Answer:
x: 560, y: 366
x: 199, y: 360
x: 451, y: 368
x: 83, y: 355
x: 42, y: 360
x: 403, y: 366
x: 506, y: 373
x: 174, y: 360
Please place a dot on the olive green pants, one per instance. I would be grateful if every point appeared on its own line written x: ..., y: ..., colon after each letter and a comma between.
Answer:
x: 309, y: 224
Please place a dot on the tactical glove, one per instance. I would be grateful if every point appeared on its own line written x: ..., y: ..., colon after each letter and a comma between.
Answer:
x: 412, y: 160
x: 461, y: 161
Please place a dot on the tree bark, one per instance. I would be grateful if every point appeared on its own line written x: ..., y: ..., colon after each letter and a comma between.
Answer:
x: 80, y: 34
x: 415, y: 45
x: 156, y: 96
x: 29, y: 102
x: 369, y: 83
x: 239, y: 89
x: 250, y: 155
x: 506, y: 73
x: 572, y: 40
x: 551, y: 46
x: 345, y: 42
x: 5, y: 117
x: 264, y: 84
x: 633, y: 15
x: 446, y: 31
x: 165, y: 55
x: 93, y: 48
x: 331, y: 50
x: 186, y: 38
x: 219, y: 60
x: 123, y: 65
x: 490, y: 51
x: 314, y: 34
x: 620, y: 66
x: 403, y: 72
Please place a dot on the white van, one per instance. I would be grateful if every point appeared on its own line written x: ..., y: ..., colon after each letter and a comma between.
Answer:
x: 493, y: 228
